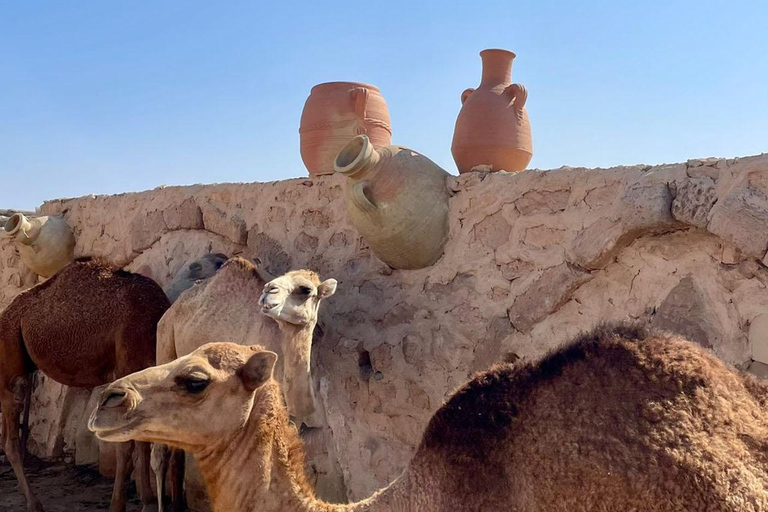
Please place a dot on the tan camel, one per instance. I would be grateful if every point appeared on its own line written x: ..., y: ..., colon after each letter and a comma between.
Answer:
x: 225, y: 307
x: 619, y: 420
x: 85, y: 326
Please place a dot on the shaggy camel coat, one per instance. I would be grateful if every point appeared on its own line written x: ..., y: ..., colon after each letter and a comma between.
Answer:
x: 617, y: 421
x: 87, y: 325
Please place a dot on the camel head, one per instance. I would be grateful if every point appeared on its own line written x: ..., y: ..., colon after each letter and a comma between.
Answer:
x: 192, y: 402
x: 295, y: 297
x: 206, y: 266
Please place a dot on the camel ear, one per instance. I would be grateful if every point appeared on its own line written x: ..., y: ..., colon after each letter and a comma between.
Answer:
x: 326, y: 288
x: 262, y: 272
x: 258, y: 369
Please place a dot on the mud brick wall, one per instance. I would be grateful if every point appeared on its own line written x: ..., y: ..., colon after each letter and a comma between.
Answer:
x: 532, y: 260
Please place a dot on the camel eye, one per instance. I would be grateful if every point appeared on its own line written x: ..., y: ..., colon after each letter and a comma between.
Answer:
x: 193, y: 385
x: 304, y: 290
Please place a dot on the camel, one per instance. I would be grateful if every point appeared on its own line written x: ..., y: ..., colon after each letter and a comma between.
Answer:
x: 224, y: 307
x: 293, y: 301
x: 87, y: 325
x: 618, y: 420
x: 189, y: 275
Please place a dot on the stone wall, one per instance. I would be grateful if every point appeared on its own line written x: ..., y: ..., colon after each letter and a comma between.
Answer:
x: 533, y: 259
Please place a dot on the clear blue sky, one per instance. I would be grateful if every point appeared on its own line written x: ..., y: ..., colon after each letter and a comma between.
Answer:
x: 106, y: 97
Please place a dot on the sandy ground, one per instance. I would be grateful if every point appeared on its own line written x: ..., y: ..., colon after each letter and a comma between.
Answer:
x: 60, y: 487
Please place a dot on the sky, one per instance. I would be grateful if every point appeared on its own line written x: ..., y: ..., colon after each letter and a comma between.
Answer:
x: 103, y: 97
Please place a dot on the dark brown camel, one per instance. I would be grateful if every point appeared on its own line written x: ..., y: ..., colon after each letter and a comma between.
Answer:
x: 618, y: 421
x: 86, y: 326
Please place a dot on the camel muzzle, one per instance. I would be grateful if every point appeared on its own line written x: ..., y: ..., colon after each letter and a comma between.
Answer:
x: 113, y: 399
x: 119, y: 397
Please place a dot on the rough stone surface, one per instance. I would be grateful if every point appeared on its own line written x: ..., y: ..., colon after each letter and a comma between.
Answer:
x: 533, y: 259
x: 758, y: 338
x: 545, y: 295
x: 694, y: 199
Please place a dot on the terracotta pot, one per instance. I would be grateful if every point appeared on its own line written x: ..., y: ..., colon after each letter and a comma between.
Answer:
x: 493, y: 131
x: 336, y: 112
x: 397, y: 199
x: 45, y: 244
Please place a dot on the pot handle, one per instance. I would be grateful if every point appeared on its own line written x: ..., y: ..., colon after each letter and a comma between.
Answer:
x: 361, y: 200
x: 519, y: 94
x: 23, y: 237
x: 360, y: 97
x: 466, y: 93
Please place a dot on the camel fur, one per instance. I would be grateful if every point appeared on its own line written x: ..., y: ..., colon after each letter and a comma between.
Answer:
x: 87, y: 325
x: 618, y: 420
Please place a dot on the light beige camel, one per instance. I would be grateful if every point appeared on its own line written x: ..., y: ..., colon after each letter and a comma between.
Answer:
x: 617, y: 421
x: 226, y: 307
x: 293, y: 300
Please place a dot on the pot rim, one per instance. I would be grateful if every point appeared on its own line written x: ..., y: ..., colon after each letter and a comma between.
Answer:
x: 14, y: 224
x: 491, y: 51
x: 364, y: 153
x: 343, y: 83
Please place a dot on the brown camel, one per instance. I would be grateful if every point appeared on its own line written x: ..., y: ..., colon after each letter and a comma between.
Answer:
x: 226, y: 307
x: 619, y: 420
x: 87, y: 325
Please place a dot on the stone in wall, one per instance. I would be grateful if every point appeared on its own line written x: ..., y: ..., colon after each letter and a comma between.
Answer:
x: 533, y: 259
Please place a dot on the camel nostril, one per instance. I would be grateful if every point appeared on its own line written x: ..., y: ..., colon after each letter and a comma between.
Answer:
x: 114, y: 398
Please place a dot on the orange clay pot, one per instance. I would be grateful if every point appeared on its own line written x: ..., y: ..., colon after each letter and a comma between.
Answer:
x: 334, y: 114
x: 493, y: 131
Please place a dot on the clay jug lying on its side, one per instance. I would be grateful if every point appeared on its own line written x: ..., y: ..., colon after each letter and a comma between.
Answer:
x: 45, y: 244
x: 397, y: 199
x: 334, y: 114
x: 493, y: 131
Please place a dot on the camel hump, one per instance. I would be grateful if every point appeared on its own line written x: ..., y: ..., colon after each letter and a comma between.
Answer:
x: 250, y: 268
x: 608, y: 362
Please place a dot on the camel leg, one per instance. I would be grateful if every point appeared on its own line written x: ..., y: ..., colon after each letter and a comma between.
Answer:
x: 25, y: 421
x: 159, y: 459
x: 12, y: 447
x: 142, y: 480
x: 124, y: 454
x: 177, y: 480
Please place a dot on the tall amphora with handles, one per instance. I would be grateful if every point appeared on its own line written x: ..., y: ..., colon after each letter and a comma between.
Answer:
x: 493, y: 132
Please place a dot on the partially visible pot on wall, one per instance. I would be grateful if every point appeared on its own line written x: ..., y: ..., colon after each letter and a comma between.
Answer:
x: 493, y: 131
x: 336, y: 112
x: 45, y: 244
x: 397, y: 199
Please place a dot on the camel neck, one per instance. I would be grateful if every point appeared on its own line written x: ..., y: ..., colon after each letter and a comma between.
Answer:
x: 296, y: 346
x: 260, y: 469
x: 293, y: 335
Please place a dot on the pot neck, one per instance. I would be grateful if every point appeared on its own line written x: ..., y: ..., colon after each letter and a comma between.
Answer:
x: 497, y: 67
x: 363, y: 163
x: 25, y: 230
x: 366, y: 168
